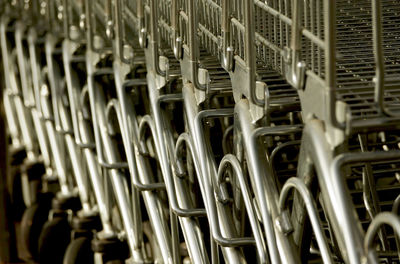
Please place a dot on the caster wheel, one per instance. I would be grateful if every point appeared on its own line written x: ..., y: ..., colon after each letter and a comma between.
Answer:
x: 35, y: 172
x: 17, y: 156
x: 54, y: 240
x: 15, y: 190
x: 32, y: 223
x: 113, y: 250
x: 79, y: 251
x: 67, y: 203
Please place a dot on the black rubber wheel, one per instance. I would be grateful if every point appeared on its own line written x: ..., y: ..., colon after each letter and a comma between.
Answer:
x: 32, y: 223
x: 17, y: 156
x: 54, y: 240
x: 79, y: 251
x: 112, y: 249
x: 15, y: 190
x: 29, y: 231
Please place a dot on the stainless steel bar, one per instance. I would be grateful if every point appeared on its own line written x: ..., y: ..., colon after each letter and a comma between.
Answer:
x: 54, y: 77
x: 387, y: 218
x: 10, y: 80
x: 98, y: 106
x: 193, y: 45
x: 258, y: 236
x: 12, y: 124
x: 208, y: 171
x: 138, y: 168
x: 264, y: 188
x: 300, y: 187
x: 330, y: 59
x: 249, y: 54
x: 317, y: 147
x: 36, y: 110
x: 55, y: 141
x: 76, y: 161
x: 95, y: 178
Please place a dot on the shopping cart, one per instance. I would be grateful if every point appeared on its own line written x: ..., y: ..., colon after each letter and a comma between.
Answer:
x: 208, y: 131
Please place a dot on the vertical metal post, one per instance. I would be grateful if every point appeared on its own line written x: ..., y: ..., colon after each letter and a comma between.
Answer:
x: 330, y: 59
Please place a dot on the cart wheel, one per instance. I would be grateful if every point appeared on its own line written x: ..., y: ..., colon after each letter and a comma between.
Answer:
x: 54, y: 240
x: 15, y: 189
x: 32, y: 223
x: 79, y: 251
x: 112, y: 250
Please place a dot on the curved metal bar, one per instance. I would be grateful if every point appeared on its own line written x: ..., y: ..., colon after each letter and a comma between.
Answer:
x: 384, y: 218
x: 282, y: 146
x: 141, y: 167
x: 12, y: 123
x: 341, y: 215
x: 185, y: 138
x: 189, y: 226
x: 113, y: 104
x: 131, y: 225
x: 208, y: 173
x: 149, y: 122
x: 75, y: 158
x: 36, y: 112
x: 23, y: 65
x: 233, y: 162
x: 338, y: 187
x: 81, y: 115
x: 264, y: 185
x: 65, y: 116
x: 71, y: 82
x: 311, y: 207
x: 98, y: 188
x: 395, y: 210
x: 396, y: 205
x: 9, y: 59
x: 225, y: 137
x: 54, y: 77
x: 100, y: 155
x: 53, y: 138
x: 225, y: 242
x: 276, y: 131
x: 135, y: 179
x: 82, y: 99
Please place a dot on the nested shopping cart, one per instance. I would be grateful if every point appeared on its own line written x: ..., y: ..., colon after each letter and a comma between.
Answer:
x: 343, y: 55
x: 206, y: 131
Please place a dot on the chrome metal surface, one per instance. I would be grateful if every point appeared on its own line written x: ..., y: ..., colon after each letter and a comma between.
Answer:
x: 214, y: 131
